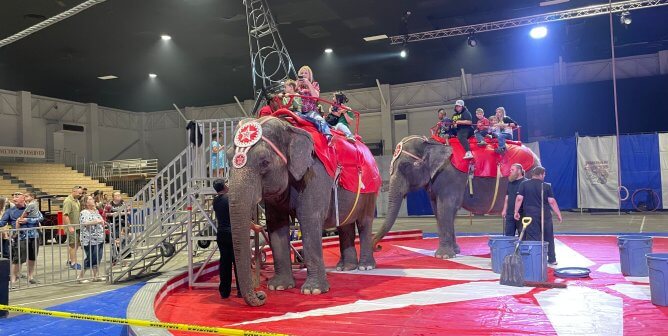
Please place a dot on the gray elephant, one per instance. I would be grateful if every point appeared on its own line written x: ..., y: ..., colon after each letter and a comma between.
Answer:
x: 424, y: 163
x: 274, y: 162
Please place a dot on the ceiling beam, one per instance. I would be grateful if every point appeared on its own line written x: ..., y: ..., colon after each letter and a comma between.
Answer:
x: 54, y: 19
x: 568, y: 14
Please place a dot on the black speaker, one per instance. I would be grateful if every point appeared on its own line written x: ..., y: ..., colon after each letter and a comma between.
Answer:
x: 4, y: 285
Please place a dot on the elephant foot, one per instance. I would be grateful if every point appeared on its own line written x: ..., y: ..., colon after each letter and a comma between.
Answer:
x: 367, y: 264
x: 281, y: 283
x: 445, y: 253
x: 315, y: 286
x: 457, y: 249
x: 345, y: 266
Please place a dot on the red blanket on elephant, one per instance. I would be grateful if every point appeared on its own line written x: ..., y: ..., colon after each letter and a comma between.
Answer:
x: 353, y: 158
x: 485, y: 160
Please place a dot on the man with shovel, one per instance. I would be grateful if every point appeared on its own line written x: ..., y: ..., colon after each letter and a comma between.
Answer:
x: 534, y: 196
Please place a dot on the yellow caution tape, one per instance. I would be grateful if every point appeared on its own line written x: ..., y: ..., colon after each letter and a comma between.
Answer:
x: 140, y: 323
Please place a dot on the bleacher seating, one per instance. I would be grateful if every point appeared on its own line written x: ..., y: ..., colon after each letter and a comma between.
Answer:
x: 7, y: 188
x: 54, y: 179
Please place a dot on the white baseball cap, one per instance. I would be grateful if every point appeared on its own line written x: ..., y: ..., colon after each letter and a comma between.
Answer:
x: 459, y: 103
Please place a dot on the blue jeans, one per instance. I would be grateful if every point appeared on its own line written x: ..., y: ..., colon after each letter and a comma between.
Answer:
x: 5, y: 248
x: 93, y: 255
x: 503, y: 137
x: 318, y: 121
x: 480, y: 135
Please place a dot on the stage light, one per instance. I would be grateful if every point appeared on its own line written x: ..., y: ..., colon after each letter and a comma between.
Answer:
x: 472, y: 41
x: 403, y: 53
x: 625, y: 18
x: 165, y: 37
x: 538, y: 32
x: 329, y: 51
x: 152, y: 75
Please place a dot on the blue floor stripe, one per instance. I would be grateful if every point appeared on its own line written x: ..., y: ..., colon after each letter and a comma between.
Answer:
x: 113, y: 303
x: 656, y: 234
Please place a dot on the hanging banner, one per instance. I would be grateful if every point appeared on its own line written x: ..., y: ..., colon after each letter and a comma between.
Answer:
x: 597, y: 173
x: 663, y: 160
x: 22, y: 152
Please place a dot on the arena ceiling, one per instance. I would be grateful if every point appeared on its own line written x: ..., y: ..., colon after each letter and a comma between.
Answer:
x: 207, y: 60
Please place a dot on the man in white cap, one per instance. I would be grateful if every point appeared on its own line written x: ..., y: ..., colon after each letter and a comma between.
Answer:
x: 462, y: 121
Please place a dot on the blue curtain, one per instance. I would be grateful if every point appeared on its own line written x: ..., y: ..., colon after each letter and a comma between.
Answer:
x: 559, y: 157
x: 641, y: 169
x: 418, y: 204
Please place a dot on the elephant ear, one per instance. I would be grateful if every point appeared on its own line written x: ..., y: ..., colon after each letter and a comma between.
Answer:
x: 300, y: 152
x: 436, y: 156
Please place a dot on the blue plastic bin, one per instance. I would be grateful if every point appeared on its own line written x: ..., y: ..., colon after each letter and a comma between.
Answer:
x: 657, y: 263
x: 500, y: 247
x: 535, y: 269
x: 632, y: 251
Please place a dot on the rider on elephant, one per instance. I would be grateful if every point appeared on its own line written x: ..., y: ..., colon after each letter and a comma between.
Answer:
x: 462, y: 121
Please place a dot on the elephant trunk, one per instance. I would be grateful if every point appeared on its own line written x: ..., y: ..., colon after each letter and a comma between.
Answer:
x: 245, y: 193
x: 397, y: 192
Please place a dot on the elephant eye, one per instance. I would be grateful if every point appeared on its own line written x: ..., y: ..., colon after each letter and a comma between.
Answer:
x: 264, y: 163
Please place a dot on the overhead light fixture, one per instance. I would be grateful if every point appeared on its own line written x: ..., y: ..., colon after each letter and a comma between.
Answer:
x: 329, y: 50
x: 152, y: 75
x: 108, y: 77
x: 472, y: 41
x: 538, y: 32
x: 165, y: 37
x: 403, y: 53
x: 552, y: 2
x: 375, y: 38
x: 625, y: 18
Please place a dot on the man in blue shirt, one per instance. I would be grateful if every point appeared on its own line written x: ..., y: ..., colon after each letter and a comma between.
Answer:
x: 26, y: 242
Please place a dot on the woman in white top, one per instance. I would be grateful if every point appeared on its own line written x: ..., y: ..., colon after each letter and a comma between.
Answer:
x: 92, y: 238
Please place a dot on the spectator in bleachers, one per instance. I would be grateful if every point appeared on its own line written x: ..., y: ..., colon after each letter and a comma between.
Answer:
x: 4, y: 231
x: 25, y: 245
x: 92, y: 238
x: 71, y: 212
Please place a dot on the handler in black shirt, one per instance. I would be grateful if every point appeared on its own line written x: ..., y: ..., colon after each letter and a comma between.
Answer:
x: 511, y: 226
x: 529, y: 198
x: 462, y: 121
x: 221, y: 207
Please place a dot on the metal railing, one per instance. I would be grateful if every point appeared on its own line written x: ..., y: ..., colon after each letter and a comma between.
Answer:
x: 123, y: 169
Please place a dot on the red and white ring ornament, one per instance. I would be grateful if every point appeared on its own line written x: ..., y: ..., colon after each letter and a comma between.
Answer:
x: 248, y: 134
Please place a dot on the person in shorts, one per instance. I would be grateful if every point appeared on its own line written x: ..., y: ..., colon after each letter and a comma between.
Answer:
x: 25, y: 243
x: 71, y: 213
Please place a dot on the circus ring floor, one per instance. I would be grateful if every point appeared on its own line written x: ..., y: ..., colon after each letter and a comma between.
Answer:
x: 413, y: 293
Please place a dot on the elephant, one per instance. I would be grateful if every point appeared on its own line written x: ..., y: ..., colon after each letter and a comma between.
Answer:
x: 426, y: 164
x: 281, y: 171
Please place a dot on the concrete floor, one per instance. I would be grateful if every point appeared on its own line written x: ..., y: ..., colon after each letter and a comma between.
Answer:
x: 45, y: 296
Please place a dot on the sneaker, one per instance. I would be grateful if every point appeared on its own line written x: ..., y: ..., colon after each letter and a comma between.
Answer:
x: 75, y: 266
x: 350, y: 139
x: 83, y: 281
x: 552, y: 264
x: 33, y: 281
x: 468, y: 155
x: 482, y: 144
x: 12, y: 285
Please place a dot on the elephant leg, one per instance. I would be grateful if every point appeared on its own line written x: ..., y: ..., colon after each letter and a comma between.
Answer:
x: 348, y: 260
x: 279, y: 235
x: 365, y: 228
x: 447, y: 211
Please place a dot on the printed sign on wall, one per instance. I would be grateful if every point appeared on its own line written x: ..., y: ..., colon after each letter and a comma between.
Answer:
x: 22, y: 152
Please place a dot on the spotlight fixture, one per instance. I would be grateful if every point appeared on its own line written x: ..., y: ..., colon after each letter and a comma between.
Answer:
x: 107, y: 77
x: 472, y: 41
x: 538, y: 32
x: 329, y: 51
x: 152, y: 75
x: 403, y: 53
x: 165, y: 37
x: 625, y: 18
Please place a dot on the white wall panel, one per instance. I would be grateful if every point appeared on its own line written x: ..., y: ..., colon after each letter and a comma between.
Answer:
x: 115, y: 140
x: 9, y: 130
x: 370, y: 129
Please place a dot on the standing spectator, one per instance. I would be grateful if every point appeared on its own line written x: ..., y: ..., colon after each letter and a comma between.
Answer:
x: 71, y: 212
x: 114, y: 213
x: 218, y: 163
x: 4, y: 231
x: 482, y: 127
x: 462, y: 121
x: 26, y: 245
x: 92, y: 238
x: 224, y: 239
x: 516, y: 177
x: 529, y: 196
x: 506, y: 126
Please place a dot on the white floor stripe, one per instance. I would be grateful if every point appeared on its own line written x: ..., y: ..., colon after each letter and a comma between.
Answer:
x: 444, y: 274
x: 637, y: 279
x: 68, y: 297
x: 610, y: 268
x: 638, y: 292
x: 473, y: 261
x: 456, y: 293
x: 567, y: 257
x: 582, y: 311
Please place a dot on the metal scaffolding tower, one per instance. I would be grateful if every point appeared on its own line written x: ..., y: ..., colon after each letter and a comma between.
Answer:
x: 569, y: 14
x: 270, y: 61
